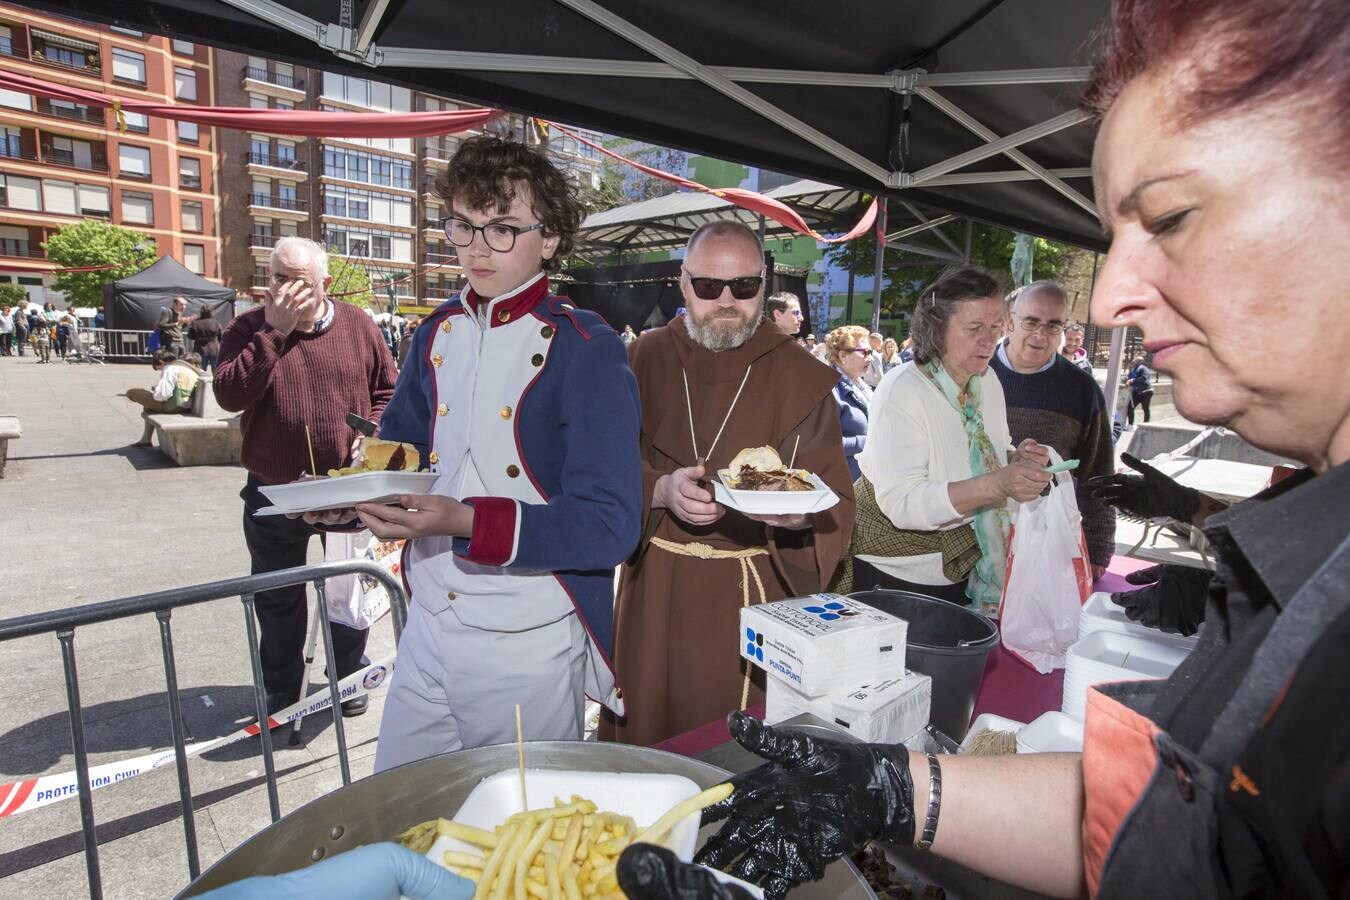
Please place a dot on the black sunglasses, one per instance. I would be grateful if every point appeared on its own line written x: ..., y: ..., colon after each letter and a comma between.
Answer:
x: 742, y: 288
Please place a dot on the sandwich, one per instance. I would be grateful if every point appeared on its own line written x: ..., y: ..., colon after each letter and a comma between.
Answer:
x: 382, y: 456
x: 762, y: 469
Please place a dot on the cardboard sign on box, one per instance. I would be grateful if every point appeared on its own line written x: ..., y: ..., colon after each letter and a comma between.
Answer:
x: 888, y: 709
x: 823, y: 642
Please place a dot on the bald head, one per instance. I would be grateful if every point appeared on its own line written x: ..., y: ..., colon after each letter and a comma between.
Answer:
x: 1046, y: 294
x: 725, y: 231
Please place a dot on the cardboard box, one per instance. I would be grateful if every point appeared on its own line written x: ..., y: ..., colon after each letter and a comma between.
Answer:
x: 823, y: 642
x: 888, y: 710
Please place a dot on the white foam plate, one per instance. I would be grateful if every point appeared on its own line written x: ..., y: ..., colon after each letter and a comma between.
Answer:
x: 1106, y: 656
x: 1051, y: 732
x: 346, y: 491
x: 1100, y: 613
x: 774, y: 503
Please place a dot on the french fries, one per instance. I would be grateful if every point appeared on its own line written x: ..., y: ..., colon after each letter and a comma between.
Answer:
x: 568, y: 851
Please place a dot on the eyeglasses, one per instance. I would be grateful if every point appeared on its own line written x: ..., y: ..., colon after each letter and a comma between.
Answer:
x: 742, y: 288
x: 861, y: 351
x: 1050, y: 328
x: 498, y: 236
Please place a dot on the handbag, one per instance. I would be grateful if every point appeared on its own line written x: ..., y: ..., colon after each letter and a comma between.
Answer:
x: 359, y: 601
x: 1048, y: 578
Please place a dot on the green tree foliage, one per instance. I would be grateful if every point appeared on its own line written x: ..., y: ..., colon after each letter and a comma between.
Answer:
x: 608, y: 194
x: 96, y: 243
x: 351, y: 282
x: 906, y: 274
x: 12, y: 295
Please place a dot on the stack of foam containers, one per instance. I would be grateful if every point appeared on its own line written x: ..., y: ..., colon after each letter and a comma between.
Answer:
x: 1111, y: 647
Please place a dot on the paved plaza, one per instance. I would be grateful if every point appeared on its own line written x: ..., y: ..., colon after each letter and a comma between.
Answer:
x: 85, y: 517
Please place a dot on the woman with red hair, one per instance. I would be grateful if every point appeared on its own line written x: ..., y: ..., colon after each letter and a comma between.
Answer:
x: 1220, y: 169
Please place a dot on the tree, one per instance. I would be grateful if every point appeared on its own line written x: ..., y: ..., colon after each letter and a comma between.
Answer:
x: 12, y: 295
x: 96, y: 243
x: 607, y: 194
x: 351, y: 283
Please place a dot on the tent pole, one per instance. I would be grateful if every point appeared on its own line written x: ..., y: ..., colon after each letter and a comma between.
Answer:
x: 1113, y: 365
x: 876, y: 290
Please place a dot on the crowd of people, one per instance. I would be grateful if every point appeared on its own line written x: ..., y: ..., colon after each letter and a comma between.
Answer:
x: 42, y: 329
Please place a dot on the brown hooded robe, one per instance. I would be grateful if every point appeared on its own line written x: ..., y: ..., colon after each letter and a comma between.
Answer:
x: 677, y: 617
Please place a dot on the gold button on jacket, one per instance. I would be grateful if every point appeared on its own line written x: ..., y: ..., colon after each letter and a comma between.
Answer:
x: 503, y: 316
x: 513, y: 471
x: 445, y: 326
x: 506, y: 412
x: 537, y: 360
x: 442, y: 409
x: 546, y: 331
x: 433, y: 457
x: 437, y: 360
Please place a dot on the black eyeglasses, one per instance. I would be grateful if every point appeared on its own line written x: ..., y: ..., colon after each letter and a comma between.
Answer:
x: 497, y: 236
x: 1051, y: 328
x: 742, y: 288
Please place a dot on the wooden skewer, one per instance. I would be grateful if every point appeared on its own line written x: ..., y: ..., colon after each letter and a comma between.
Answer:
x: 795, y: 443
x: 520, y: 755
x: 313, y: 469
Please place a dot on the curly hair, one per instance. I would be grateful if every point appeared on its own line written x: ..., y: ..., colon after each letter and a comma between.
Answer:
x: 937, y: 304
x: 845, y: 337
x: 486, y: 172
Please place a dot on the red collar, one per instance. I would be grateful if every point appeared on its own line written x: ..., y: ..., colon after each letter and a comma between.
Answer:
x: 513, y: 304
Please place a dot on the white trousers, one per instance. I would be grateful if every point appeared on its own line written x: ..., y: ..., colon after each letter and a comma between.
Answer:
x: 456, y: 687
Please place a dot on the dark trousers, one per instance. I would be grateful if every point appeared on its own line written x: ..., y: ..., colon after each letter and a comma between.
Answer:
x: 276, y: 542
x: 867, y: 577
x: 20, y: 339
x: 6, y: 343
x: 209, y: 362
x: 1140, y: 400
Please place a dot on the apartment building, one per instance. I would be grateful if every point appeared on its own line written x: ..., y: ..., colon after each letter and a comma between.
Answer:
x: 369, y: 201
x: 63, y: 162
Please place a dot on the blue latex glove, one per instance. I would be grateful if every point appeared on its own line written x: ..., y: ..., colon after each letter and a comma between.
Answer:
x: 375, y: 872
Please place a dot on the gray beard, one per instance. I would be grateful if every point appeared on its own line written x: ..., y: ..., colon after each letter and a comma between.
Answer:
x: 719, y: 334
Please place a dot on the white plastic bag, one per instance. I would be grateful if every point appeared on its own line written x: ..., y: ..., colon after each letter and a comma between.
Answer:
x: 359, y: 601
x: 1048, y: 577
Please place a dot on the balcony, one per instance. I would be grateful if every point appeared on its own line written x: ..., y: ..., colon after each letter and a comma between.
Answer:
x: 17, y: 249
x: 73, y: 113
x: 12, y: 151
x: 439, y: 293
x: 294, y: 168
x: 67, y: 158
x: 71, y: 54
x: 274, y: 203
x: 263, y: 241
x: 287, y: 87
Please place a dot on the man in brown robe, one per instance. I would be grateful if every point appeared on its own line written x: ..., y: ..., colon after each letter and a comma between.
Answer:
x: 698, y: 563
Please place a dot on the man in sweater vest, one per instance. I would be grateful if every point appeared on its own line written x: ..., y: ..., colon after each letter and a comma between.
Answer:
x: 301, y: 361
x: 1056, y: 403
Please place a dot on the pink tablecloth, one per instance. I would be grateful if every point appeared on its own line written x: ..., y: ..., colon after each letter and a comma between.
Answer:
x: 1010, y: 687
x: 1013, y: 689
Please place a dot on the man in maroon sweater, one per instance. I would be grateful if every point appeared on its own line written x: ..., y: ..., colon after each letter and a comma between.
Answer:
x: 299, y: 360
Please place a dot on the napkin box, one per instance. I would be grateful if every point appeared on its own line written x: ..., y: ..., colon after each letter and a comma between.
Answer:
x: 822, y: 643
x: 887, y: 710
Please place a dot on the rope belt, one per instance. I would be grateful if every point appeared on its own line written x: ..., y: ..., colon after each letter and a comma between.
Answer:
x: 702, y: 551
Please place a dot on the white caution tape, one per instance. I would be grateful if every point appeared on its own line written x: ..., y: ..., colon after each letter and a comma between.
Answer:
x: 21, y: 796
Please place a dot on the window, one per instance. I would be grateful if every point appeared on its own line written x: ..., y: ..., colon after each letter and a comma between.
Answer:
x: 262, y: 233
x: 11, y: 142
x: 188, y: 133
x: 283, y: 104
x: 94, y: 201
x: 285, y: 75
x: 259, y: 149
x: 288, y: 228
x: 16, y: 100
x: 191, y: 215
x: 380, y: 247
x: 20, y: 193
x: 6, y: 40
x: 128, y: 66
x: 194, y: 258
x: 138, y: 209
x: 190, y: 173
x: 131, y: 31
x: 70, y: 152
x: 133, y: 162
x: 184, y: 83
x: 336, y: 241
x: 187, y: 48
x: 137, y: 122
x: 257, y: 101
x: 286, y: 191
x: 59, y: 197
x: 285, y: 153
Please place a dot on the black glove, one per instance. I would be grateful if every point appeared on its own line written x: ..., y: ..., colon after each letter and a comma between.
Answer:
x: 1148, y: 495
x: 648, y: 872
x: 813, y: 802
x: 1173, y: 601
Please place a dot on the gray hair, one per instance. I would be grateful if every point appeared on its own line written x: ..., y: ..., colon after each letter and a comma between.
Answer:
x: 1046, y: 285
x: 724, y: 228
x: 1074, y: 328
x: 304, y: 247
x: 937, y: 304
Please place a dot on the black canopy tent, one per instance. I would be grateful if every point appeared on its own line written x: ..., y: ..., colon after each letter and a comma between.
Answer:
x: 134, y: 303
x: 968, y: 106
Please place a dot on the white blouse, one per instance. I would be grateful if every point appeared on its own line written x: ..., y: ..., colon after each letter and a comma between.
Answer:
x: 916, y: 446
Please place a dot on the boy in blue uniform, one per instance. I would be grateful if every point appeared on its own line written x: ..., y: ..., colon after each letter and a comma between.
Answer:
x: 527, y: 410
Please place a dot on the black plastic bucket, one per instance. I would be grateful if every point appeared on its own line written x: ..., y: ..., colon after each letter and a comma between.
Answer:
x: 946, y: 642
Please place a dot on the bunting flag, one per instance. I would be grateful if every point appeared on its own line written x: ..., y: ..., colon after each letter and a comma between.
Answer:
x: 756, y: 203
x: 298, y: 122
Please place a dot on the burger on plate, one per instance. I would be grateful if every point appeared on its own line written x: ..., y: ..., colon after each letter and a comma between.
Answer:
x: 382, y: 456
x: 762, y: 469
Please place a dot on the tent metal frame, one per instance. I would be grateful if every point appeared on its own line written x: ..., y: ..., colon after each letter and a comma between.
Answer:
x: 357, y: 45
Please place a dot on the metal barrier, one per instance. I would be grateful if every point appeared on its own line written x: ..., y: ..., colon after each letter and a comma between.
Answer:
x: 162, y: 603
x: 120, y: 343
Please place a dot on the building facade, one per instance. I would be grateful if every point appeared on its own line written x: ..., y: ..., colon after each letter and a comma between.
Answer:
x: 64, y: 162
x: 369, y: 201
